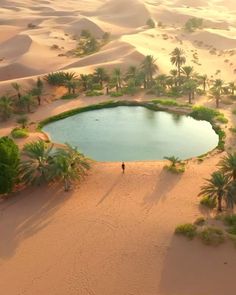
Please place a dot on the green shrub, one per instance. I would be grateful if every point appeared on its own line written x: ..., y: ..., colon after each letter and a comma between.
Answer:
x: 192, y: 24
x: 69, y: 96
x: 9, y: 162
x: 200, y: 221
x: 234, y: 111
x: 230, y: 220
x: 116, y: 94
x: 150, y: 22
x: 166, y: 102
x: 208, y: 202
x: 96, y: 86
x: 19, y: 133
x: 59, y: 78
x: 232, y: 230
x: 203, y: 113
x: 220, y: 118
x: 232, y: 129
x: 188, y: 230
x: 175, y: 169
x: 94, y: 93
x: 212, y: 236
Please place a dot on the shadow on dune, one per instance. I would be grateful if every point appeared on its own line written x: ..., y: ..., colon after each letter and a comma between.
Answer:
x: 27, y: 213
x: 191, y: 268
x: 166, y: 181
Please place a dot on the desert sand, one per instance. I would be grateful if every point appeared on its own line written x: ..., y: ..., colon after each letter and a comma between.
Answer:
x: 113, y: 233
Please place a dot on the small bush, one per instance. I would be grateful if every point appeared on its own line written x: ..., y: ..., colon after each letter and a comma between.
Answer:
x: 234, y: 111
x: 200, y: 221
x: 94, y: 93
x: 96, y: 86
x: 220, y: 118
x: 232, y: 129
x: 19, y: 133
x: 69, y: 96
x: 166, y: 102
x: 188, y: 230
x: 232, y: 230
x: 230, y: 220
x: 192, y: 24
x: 176, y: 169
x: 203, y: 113
x: 150, y: 22
x: 212, y: 236
x: 208, y: 202
x: 116, y: 94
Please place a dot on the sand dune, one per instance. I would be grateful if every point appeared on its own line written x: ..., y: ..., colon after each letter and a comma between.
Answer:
x: 116, y: 53
x: 75, y: 27
x: 118, y: 12
x: 57, y: 23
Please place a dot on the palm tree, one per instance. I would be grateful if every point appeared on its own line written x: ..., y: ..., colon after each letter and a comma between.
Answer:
x: 69, y: 76
x: 17, y: 87
x: 203, y: 80
x: 26, y: 101
x: 39, y: 83
x: 37, y: 91
x: 150, y: 68
x: 69, y: 165
x: 6, y: 107
x: 71, y: 86
x: 231, y: 195
x: 232, y: 87
x: 117, y: 78
x: 216, y: 188
x: 162, y: 79
x: 133, y: 76
x: 35, y: 169
x: 190, y: 87
x: 174, y: 76
x: 173, y: 160
x: 219, y: 85
x: 101, y: 75
x: 23, y: 121
x: 187, y: 71
x: 85, y: 81
x: 216, y: 92
x: 228, y: 165
x: 178, y: 59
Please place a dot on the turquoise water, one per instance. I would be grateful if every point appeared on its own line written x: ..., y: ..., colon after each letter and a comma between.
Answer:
x: 134, y: 134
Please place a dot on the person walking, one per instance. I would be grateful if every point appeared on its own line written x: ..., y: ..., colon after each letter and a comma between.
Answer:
x: 123, y: 167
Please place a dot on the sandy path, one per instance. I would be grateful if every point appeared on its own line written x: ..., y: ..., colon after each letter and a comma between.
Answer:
x: 113, y: 235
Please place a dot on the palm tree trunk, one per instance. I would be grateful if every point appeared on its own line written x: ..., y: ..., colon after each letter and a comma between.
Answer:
x: 217, y: 102
x: 66, y: 185
x: 39, y: 100
x: 234, y: 175
x: 189, y: 97
x: 219, y: 209
x: 179, y: 75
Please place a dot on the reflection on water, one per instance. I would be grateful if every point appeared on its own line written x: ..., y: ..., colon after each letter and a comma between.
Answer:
x: 134, y: 133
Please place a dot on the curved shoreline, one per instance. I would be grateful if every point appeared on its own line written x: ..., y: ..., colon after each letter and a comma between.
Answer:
x: 180, y: 110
